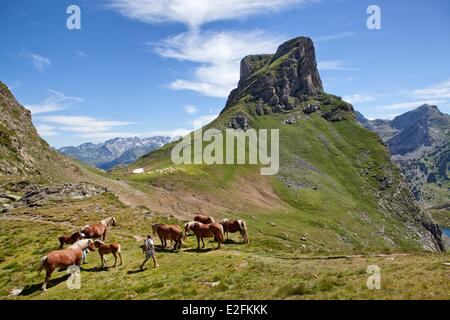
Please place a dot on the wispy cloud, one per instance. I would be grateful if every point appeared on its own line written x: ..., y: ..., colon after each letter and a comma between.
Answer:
x: 204, y: 120
x: 333, y: 36
x: 83, y: 124
x: 360, y: 98
x: 218, y: 54
x: 39, y: 62
x: 45, y: 130
x: 337, y: 65
x: 81, y: 54
x: 190, y: 109
x: 195, y: 13
x: 96, y: 130
x: 407, y: 105
x: 54, y: 102
x: 437, y: 91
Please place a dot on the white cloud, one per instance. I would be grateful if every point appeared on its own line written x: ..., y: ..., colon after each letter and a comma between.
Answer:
x: 204, y: 120
x: 337, y: 65
x: 408, y: 105
x: 54, y: 102
x: 360, y: 98
x: 81, y: 54
x: 83, y: 124
x: 45, y: 130
x: 190, y: 109
x: 438, y: 91
x: 194, y: 13
x: 39, y: 62
x: 333, y: 36
x: 218, y: 53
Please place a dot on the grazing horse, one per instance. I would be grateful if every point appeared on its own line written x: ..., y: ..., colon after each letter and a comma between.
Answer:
x: 98, y: 230
x: 83, y: 245
x: 235, y: 226
x: 168, y: 232
x: 205, y: 231
x: 111, y: 248
x: 203, y: 219
x: 61, y: 258
x: 70, y: 239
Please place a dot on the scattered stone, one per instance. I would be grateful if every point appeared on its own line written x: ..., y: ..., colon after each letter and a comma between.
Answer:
x: 303, y: 239
x: 211, y: 284
x: 311, y: 108
x: 290, y: 120
x: 15, y: 292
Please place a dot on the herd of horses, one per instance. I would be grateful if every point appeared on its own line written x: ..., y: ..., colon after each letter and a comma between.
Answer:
x: 85, y: 240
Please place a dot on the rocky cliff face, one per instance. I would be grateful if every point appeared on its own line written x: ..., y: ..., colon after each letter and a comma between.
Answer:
x: 23, y: 153
x: 281, y: 79
x: 419, y: 141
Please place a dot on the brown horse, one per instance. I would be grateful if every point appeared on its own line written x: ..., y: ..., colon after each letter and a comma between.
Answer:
x: 61, y: 258
x: 203, y: 219
x: 205, y: 231
x: 98, y: 230
x: 111, y: 248
x: 235, y: 226
x: 70, y: 239
x: 168, y: 232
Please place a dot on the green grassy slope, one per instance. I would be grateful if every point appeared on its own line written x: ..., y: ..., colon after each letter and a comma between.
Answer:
x: 274, y: 265
x: 336, y: 181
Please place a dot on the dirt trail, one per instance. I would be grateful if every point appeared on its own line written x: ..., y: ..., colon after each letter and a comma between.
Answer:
x: 181, y: 204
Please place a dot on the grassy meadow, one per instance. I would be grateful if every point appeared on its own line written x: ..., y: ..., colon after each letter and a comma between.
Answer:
x: 274, y: 265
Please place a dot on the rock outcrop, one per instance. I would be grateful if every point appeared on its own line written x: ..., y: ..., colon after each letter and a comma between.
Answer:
x: 279, y: 79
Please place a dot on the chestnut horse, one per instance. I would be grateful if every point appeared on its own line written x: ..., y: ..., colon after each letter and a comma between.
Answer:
x: 168, y: 232
x: 98, y: 230
x: 70, y: 239
x: 83, y: 245
x: 111, y: 248
x: 205, y: 231
x: 203, y: 219
x: 235, y: 226
x: 61, y: 258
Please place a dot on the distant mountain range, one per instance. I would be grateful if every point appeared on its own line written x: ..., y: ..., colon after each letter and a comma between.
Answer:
x: 419, y: 141
x: 114, y: 152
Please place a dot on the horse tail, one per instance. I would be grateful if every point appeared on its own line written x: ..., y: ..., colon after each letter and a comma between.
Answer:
x: 244, y: 233
x: 41, y: 264
x: 221, y: 239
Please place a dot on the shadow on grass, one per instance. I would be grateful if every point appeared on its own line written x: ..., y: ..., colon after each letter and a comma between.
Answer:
x: 96, y: 269
x: 28, y: 290
x: 136, y: 271
x: 167, y: 250
x: 231, y: 241
x: 204, y: 250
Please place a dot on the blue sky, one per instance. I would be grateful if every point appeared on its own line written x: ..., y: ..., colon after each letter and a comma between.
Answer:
x: 143, y: 68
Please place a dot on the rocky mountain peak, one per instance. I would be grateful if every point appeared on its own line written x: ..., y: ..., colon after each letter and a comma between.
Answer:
x: 422, y: 114
x: 290, y: 73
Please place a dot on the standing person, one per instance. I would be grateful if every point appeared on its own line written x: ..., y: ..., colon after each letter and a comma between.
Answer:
x: 149, y: 248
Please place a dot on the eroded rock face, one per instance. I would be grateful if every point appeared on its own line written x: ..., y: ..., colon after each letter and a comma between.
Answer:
x: 293, y: 74
x: 240, y: 122
x: 39, y: 195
